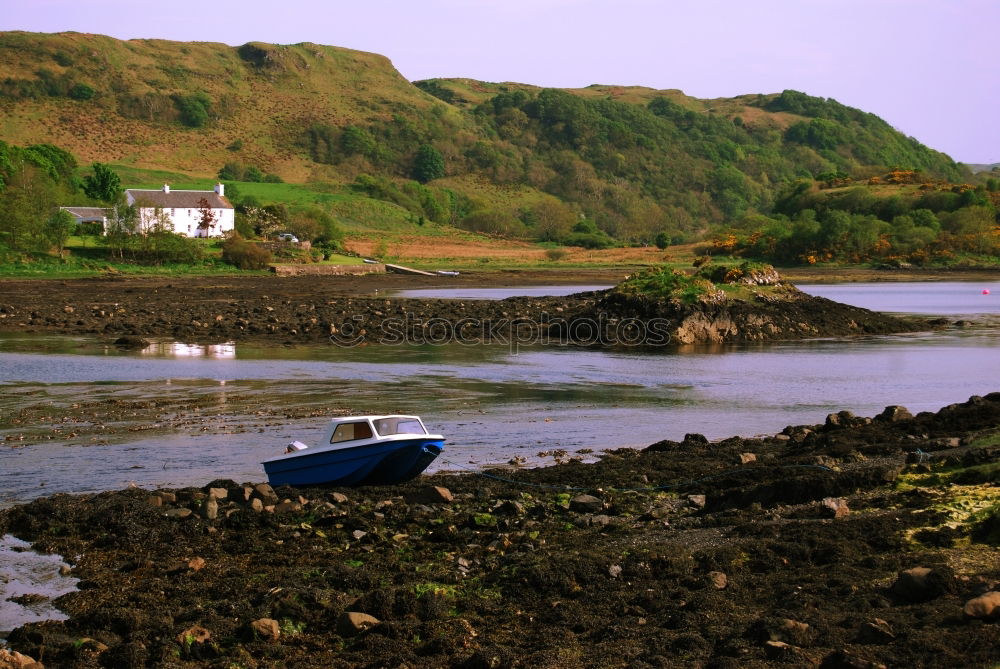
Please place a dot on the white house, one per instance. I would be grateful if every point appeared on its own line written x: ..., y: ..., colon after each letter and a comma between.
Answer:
x: 180, y: 211
x: 88, y: 215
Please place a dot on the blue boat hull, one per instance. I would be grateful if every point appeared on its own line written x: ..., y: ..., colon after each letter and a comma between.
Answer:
x: 382, y: 463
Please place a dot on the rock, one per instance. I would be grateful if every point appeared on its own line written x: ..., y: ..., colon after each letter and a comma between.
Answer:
x: 614, y: 571
x: 131, y: 341
x: 65, y: 570
x: 586, y: 504
x: 835, y: 507
x: 693, y: 438
x: 600, y: 520
x: 210, y: 509
x: 509, y: 508
x: 921, y: 584
x: 352, y: 622
x: 218, y: 493
x: 10, y: 659
x: 776, y: 650
x: 265, y: 493
x: 287, y: 506
x: 876, y: 631
x: 430, y: 495
x: 177, y: 513
x: 192, y: 635
x: 155, y: 500
x: 337, y: 497
x: 266, y: 629
x: 984, y: 607
x: 167, y: 497
x: 196, y: 564
x: 747, y: 458
x: 718, y: 580
x: 697, y: 501
x: 894, y: 414
x: 257, y: 505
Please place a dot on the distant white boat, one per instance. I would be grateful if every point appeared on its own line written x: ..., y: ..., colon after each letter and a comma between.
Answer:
x: 447, y: 272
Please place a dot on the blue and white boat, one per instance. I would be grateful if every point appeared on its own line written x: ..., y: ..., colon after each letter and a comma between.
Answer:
x: 358, y: 450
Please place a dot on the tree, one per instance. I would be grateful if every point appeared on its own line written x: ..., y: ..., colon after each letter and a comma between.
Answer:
x: 428, y: 164
x: 59, y: 226
x: 662, y: 240
x: 103, y: 184
x: 123, y: 223
x: 206, y: 217
x: 553, y: 220
x: 24, y: 203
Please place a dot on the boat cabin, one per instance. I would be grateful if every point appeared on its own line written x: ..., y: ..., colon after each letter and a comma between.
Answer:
x: 348, y: 431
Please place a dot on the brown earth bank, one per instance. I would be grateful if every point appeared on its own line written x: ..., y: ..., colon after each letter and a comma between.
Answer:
x: 351, y: 311
x: 856, y: 543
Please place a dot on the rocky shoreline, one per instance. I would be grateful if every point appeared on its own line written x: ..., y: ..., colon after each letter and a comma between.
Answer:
x: 330, y: 310
x: 860, y: 542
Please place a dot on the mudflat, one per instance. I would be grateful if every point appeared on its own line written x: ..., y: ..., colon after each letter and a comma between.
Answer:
x: 859, y: 542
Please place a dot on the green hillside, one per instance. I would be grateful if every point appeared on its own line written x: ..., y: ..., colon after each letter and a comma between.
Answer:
x: 593, y: 166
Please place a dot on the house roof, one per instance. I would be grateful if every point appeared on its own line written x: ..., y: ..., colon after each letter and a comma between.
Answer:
x: 179, y: 199
x: 96, y: 213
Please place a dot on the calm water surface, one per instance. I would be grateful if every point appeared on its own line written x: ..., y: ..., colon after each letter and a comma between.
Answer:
x: 490, y: 403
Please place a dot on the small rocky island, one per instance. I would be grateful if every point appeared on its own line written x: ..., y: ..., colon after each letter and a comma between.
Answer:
x: 655, y: 308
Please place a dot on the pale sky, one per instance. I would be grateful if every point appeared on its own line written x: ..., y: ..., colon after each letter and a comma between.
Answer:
x: 928, y: 67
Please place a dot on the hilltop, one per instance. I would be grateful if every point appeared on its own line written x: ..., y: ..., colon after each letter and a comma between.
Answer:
x: 582, y: 167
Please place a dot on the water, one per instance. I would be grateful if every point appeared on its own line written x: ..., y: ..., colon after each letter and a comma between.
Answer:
x: 947, y: 298
x: 226, y: 408
x: 25, y: 572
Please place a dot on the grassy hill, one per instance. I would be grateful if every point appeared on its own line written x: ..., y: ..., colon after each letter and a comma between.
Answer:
x: 579, y: 166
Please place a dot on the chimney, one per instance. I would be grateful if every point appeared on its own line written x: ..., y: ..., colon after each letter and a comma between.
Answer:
x: 220, y: 189
x: 166, y: 188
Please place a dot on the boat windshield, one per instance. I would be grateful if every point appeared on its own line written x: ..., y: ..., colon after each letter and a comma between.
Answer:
x: 396, y: 425
x: 351, y: 431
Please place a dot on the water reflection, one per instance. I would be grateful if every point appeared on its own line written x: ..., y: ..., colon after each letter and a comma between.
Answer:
x: 176, y: 349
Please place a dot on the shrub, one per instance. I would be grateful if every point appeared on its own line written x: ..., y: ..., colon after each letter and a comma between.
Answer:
x: 193, y: 109
x: 240, y: 253
x: 81, y: 92
x: 588, y: 240
x: 158, y: 248
x: 555, y: 254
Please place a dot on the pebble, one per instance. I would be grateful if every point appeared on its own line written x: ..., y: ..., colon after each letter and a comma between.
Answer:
x: 352, y: 622
x: 266, y: 629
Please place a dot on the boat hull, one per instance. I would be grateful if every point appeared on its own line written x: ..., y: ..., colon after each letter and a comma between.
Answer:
x: 379, y: 463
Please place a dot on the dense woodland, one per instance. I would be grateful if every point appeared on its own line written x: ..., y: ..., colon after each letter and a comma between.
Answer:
x: 787, y: 177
